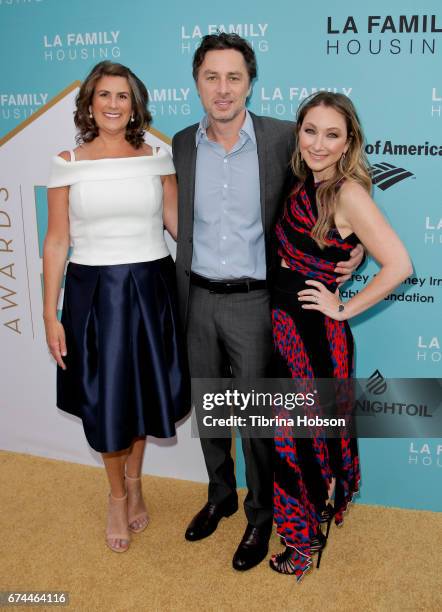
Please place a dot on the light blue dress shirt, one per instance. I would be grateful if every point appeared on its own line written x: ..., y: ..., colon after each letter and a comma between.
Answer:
x: 228, y: 236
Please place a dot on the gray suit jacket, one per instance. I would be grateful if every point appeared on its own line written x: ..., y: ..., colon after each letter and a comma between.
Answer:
x: 275, y: 142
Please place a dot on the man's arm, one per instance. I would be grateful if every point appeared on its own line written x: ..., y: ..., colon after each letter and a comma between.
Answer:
x: 346, y: 268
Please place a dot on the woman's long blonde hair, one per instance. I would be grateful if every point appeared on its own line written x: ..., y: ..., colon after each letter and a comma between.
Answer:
x: 353, y: 165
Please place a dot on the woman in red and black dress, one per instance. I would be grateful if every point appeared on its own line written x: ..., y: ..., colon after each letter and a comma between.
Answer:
x: 328, y: 212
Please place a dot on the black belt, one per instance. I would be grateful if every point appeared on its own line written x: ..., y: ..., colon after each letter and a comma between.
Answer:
x: 233, y: 286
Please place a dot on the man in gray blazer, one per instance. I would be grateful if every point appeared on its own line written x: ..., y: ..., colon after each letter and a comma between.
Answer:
x: 232, y: 170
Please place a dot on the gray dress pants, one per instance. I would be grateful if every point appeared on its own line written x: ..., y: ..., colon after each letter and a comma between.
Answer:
x: 231, y: 335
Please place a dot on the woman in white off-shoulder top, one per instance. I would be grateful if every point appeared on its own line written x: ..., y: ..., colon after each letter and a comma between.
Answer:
x: 121, y: 365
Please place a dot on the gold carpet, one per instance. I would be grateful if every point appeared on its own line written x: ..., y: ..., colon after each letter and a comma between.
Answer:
x: 52, y: 537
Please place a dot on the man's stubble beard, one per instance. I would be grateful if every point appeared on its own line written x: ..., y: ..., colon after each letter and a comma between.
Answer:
x: 227, y: 119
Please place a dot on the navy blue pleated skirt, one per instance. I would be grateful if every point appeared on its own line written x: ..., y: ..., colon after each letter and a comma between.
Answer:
x: 126, y: 373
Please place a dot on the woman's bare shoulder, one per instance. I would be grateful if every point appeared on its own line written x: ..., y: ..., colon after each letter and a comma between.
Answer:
x: 351, y: 189
x: 66, y: 155
x: 79, y: 153
x: 146, y: 149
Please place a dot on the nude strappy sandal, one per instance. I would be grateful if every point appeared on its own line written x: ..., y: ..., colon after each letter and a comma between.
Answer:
x: 134, y: 489
x: 117, y: 528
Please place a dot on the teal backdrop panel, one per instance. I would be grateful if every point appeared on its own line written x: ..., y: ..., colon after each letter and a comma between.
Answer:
x: 386, y: 56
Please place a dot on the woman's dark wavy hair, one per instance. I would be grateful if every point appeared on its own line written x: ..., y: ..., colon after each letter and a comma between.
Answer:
x: 87, y: 128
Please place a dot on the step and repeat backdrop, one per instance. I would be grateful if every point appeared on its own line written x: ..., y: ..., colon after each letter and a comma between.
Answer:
x: 385, y: 56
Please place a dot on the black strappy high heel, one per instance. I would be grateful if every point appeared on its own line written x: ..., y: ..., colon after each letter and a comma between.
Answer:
x: 326, y: 516
x: 317, y: 545
x: 283, y: 563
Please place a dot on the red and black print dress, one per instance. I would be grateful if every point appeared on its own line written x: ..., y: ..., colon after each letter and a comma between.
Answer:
x: 309, y: 345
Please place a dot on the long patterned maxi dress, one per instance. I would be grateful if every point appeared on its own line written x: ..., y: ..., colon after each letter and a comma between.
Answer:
x: 309, y: 345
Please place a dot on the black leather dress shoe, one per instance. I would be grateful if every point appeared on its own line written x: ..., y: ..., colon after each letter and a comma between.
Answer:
x: 206, y: 521
x: 253, y: 547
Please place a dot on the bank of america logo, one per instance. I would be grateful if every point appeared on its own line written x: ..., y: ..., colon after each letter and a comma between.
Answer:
x: 376, y: 384
x: 386, y: 175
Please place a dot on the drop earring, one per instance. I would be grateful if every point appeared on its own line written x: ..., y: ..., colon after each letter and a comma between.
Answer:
x: 301, y: 161
x: 132, y: 118
x: 341, y: 163
x: 90, y: 113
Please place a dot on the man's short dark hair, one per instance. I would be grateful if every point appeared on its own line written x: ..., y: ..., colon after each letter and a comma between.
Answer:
x: 221, y: 41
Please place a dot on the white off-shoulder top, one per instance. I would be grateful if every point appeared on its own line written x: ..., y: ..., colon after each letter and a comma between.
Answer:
x: 115, y: 207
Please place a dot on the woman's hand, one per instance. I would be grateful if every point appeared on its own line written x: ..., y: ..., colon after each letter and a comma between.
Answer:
x: 55, y: 249
x: 318, y: 297
x: 56, y: 340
